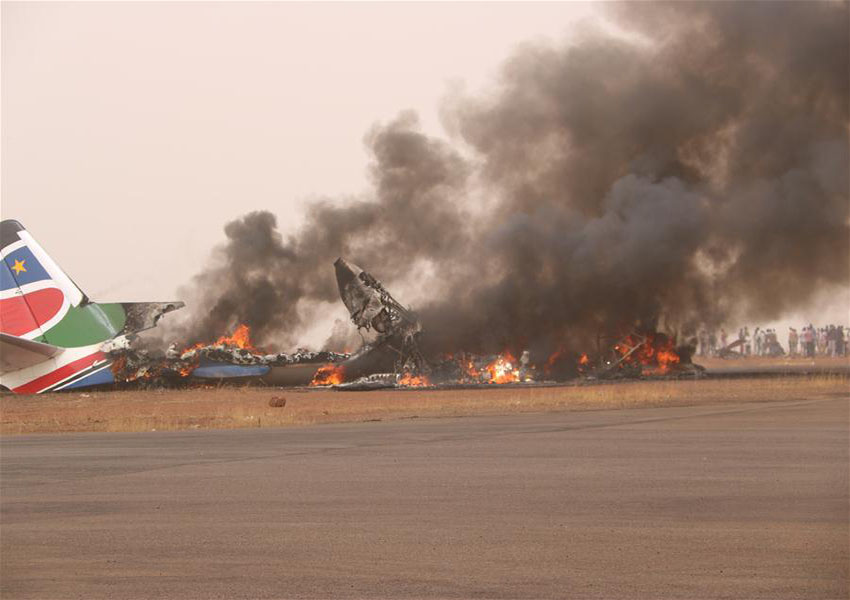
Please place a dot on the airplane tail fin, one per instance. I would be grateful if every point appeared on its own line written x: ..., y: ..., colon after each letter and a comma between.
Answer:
x: 35, y: 294
x: 38, y: 301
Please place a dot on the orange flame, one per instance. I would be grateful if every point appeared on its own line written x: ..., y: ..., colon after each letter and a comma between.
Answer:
x: 329, y: 375
x: 656, y: 355
x: 503, y: 369
x: 553, y: 360
x: 466, y: 364
x: 241, y: 338
x: 666, y: 358
x: 408, y: 380
x: 187, y: 370
x: 470, y: 369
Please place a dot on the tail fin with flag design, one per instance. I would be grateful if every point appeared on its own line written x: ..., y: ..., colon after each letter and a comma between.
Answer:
x: 66, y: 332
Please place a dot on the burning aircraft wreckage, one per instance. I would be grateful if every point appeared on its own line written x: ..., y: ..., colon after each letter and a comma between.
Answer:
x: 55, y: 338
x: 392, y: 357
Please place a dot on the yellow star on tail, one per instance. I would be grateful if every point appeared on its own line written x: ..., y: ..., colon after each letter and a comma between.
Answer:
x: 19, y: 266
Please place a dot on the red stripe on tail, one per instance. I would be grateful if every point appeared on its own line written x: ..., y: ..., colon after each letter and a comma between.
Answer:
x: 45, y: 381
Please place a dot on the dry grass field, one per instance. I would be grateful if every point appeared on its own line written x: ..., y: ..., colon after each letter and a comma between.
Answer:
x: 782, y: 364
x: 240, y: 407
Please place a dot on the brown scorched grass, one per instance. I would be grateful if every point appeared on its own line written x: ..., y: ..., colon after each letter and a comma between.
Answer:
x: 238, y: 407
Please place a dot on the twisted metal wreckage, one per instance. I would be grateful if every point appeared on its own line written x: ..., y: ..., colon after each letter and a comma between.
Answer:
x: 393, y: 349
x: 392, y: 357
x: 54, y: 337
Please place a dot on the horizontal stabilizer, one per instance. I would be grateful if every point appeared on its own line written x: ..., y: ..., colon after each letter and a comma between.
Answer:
x: 19, y: 353
x: 145, y: 315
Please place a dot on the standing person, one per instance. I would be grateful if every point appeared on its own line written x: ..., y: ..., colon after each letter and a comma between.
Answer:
x: 724, y: 339
x: 804, y: 342
x: 821, y: 339
x: 810, y: 341
x: 775, y: 347
x: 745, y: 336
x: 792, y: 341
x: 712, y: 342
x: 830, y: 340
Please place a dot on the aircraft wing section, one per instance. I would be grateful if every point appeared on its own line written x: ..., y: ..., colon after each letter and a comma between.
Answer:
x: 19, y: 353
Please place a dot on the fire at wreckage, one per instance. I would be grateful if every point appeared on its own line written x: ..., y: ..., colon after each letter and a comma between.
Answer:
x: 392, y: 350
x: 398, y: 331
x: 55, y: 338
x: 391, y: 356
x: 373, y: 309
x: 228, y: 357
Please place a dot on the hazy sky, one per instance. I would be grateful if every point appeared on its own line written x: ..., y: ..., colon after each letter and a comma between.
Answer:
x: 131, y: 132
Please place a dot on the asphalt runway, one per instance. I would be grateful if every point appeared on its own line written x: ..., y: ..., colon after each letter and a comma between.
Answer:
x: 732, y: 501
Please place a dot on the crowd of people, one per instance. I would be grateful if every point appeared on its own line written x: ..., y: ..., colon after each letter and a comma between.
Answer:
x: 829, y: 340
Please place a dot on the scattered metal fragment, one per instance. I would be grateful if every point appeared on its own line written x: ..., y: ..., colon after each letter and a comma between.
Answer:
x: 732, y: 350
x: 376, y: 381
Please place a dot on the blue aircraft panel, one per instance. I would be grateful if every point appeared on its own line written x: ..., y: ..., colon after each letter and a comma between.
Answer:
x: 101, y: 377
x: 227, y: 371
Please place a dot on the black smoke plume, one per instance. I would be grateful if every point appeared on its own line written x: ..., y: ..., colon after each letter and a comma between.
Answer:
x: 267, y: 282
x: 690, y: 170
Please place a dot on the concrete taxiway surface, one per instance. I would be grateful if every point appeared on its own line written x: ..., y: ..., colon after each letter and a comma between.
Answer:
x: 733, y: 501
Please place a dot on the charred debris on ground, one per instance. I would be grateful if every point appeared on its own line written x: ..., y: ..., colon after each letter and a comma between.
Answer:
x: 605, y: 198
x: 392, y: 356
